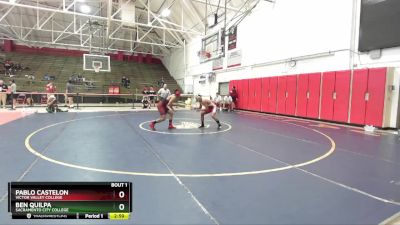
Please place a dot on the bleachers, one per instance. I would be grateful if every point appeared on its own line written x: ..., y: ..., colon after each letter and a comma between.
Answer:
x: 64, y: 67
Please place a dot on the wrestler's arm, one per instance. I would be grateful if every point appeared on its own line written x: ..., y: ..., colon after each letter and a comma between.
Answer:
x: 169, y: 105
x: 200, y: 105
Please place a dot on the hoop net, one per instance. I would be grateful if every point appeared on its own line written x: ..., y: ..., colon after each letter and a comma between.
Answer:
x: 204, y: 55
x: 96, y: 68
x: 97, y: 65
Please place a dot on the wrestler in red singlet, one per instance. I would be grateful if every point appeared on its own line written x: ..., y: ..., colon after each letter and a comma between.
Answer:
x: 165, y: 107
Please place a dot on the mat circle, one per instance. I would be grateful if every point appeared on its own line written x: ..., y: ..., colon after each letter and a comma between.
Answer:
x: 193, y: 175
x: 207, y: 130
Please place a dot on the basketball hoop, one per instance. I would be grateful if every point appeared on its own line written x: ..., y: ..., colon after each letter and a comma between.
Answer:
x: 204, y: 55
x: 96, y: 63
x: 96, y: 68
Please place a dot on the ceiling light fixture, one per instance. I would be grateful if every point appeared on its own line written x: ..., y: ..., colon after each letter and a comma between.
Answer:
x: 165, y: 13
x: 85, y: 9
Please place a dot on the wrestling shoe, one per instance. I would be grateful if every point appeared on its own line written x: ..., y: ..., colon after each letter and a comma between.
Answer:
x: 152, y: 126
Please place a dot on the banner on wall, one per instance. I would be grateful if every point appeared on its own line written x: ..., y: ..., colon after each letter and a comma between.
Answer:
x: 218, y: 64
x: 234, y: 58
x: 232, y: 38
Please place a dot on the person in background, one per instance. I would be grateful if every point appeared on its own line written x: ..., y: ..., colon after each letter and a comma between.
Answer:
x: 18, y: 67
x: 69, y: 94
x: 52, y: 105
x: 8, y: 65
x: 145, y: 99
x: 145, y: 90
x: 14, y: 95
x: 128, y: 83
x: 233, y: 93
x: 123, y: 81
x: 50, y: 88
x: 218, y: 101
x: 163, y: 93
x: 228, y: 103
x: 29, y: 101
x: 3, y: 94
x: 152, y: 92
x: 161, y: 82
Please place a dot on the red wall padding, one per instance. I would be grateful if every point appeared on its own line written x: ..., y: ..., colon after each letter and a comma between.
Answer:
x: 319, y: 95
x: 342, y: 90
x: 273, y: 90
x: 265, y: 95
x: 359, y: 89
x: 327, y: 95
x: 254, y: 94
x: 302, y: 100
x: 314, y: 86
x: 291, y: 89
x: 281, y: 95
x: 244, y: 94
x: 376, y: 90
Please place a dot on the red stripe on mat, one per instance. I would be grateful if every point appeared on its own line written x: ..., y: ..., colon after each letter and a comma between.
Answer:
x: 6, y: 117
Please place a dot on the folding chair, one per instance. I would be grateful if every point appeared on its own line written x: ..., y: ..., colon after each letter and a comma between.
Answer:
x: 21, y: 99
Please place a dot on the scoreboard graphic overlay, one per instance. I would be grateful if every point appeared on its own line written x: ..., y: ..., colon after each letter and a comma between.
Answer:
x: 70, y: 200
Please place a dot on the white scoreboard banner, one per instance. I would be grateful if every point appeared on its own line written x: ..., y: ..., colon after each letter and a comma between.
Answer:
x: 234, y: 58
x: 218, y: 64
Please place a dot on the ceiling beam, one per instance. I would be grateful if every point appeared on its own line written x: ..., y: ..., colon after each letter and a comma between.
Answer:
x: 191, y: 8
x: 99, y: 17
x: 172, y: 32
x: 85, y: 35
x: 147, y: 43
x: 216, y: 5
x: 8, y: 12
x: 41, y: 26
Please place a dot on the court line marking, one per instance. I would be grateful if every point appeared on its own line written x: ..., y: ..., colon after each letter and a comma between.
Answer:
x: 324, y: 178
x: 32, y: 165
x: 283, y: 135
x: 310, y: 120
x: 392, y: 220
x: 22, y: 176
x: 33, y: 151
x: 350, y: 188
x: 284, y: 117
x: 183, y: 185
x: 318, y: 176
x: 296, y: 121
x: 268, y: 117
x: 321, y: 125
x: 186, y: 133
x: 321, y: 177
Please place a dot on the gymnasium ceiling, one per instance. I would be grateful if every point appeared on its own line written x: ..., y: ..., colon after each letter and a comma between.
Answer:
x: 65, y: 23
